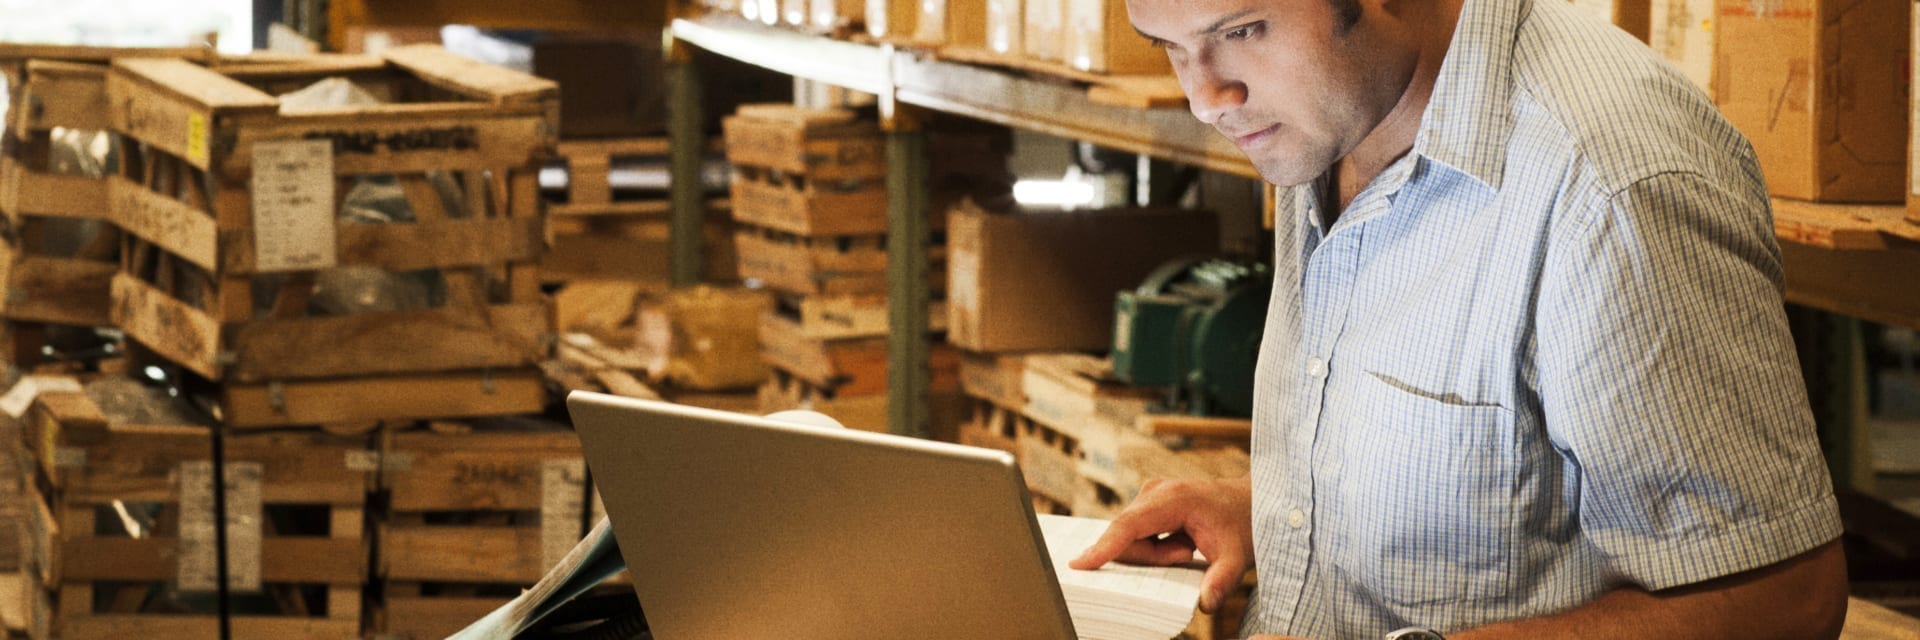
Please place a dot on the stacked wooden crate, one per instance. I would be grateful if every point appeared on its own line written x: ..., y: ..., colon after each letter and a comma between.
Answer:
x: 233, y: 238
x: 125, y: 527
x: 474, y: 512
x: 57, y: 249
x: 809, y: 195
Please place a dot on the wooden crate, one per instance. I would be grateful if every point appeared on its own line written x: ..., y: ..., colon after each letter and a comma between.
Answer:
x: 826, y: 265
x: 464, y: 142
x: 996, y: 378
x: 833, y: 317
x: 127, y: 547
x: 819, y: 144
x: 807, y: 206
x: 364, y: 399
x: 472, y: 518
x: 847, y: 366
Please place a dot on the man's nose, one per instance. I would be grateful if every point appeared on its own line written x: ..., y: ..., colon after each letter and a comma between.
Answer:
x: 1212, y: 95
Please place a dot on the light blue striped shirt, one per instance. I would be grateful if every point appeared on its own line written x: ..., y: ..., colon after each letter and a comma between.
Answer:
x: 1542, y: 357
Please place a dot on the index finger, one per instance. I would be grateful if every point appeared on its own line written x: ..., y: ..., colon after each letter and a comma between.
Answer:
x: 1131, y: 527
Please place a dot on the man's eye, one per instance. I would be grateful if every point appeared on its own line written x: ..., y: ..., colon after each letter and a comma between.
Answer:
x: 1244, y: 32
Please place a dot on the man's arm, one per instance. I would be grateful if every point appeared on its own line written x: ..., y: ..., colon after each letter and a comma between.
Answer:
x: 1801, y: 597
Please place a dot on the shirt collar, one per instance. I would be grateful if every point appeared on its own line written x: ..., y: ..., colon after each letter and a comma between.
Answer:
x: 1469, y: 117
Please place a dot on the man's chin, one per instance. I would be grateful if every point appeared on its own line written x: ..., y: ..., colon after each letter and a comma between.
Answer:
x: 1285, y: 173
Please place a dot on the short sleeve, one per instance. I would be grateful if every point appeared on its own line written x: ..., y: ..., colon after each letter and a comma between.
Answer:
x: 1667, y: 375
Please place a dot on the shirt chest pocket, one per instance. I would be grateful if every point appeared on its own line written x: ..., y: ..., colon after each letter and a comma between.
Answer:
x: 1423, y: 493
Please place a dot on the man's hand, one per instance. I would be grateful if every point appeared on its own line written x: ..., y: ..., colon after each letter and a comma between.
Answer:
x: 1170, y: 520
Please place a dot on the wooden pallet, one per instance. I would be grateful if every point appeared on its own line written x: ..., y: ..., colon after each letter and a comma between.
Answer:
x: 834, y: 317
x: 847, y: 366
x: 827, y: 265
x: 197, y: 238
x: 471, y: 518
x: 807, y: 206
x: 341, y: 403
x: 996, y: 378
x: 127, y: 521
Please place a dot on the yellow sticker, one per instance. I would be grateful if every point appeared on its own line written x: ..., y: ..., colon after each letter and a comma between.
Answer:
x: 197, y: 138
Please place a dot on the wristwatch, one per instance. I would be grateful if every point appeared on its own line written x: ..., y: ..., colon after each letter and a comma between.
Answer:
x: 1415, y: 633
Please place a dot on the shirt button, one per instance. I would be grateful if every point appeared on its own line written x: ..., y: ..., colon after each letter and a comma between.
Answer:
x: 1317, y: 367
x: 1296, y: 518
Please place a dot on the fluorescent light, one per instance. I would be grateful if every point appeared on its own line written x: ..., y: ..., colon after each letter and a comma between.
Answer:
x: 1053, y: 193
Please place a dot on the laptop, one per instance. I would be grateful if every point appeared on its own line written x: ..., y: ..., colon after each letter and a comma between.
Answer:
x: 736, y: 526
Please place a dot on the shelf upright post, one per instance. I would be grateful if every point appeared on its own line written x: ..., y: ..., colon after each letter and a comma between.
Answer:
x: 687, y: 144
x: 909, y: 374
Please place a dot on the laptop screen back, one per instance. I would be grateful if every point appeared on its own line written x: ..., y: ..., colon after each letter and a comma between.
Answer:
x: 734, y: 526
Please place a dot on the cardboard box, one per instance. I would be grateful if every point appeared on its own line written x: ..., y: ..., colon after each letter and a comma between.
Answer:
x: 961, y: 23
x: 1046, y: 280
x: 1045, y: 35
x: 1820, y: 88
x: 1682, y: 32
x: 1099, y: 38
x: 1006, y: 20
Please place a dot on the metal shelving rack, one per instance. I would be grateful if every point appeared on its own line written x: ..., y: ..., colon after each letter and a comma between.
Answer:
x: 910, y: 85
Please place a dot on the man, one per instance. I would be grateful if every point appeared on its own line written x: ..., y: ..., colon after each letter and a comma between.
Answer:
x: 1526, y: 373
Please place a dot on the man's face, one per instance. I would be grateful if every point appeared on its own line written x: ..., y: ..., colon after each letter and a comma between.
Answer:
x: 1287, y: 80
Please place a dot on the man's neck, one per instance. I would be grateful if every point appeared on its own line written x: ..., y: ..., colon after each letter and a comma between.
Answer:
x: 1395, y: 135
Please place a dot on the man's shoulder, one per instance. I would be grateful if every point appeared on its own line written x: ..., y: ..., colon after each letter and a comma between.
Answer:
x: 1627, y: 114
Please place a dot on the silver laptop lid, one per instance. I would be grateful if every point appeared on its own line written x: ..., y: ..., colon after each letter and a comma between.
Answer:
x: 735, y: 526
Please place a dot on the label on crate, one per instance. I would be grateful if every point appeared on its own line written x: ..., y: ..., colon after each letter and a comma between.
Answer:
x: 563, y: 496
x: 293, y: 220
x: 21, y: 396
x: 197, y: 150
x: 199, y: 558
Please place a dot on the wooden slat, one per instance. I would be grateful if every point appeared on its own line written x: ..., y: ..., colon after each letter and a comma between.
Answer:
x: 200, y: 86
x: 156, y: 559
x: 794, y: 145
x: 101, y: 55
x: 315, y: 402
x: 1833, y: 226
x: 469, y: 77
x: 429, y: 340
x: 172, y: 329
x: 304, y: 467
x: 190, y: 627
x: 400, y: 139
x: 60, y: 290
x: 1162, y: 424
x: 24, y: 191
x: 475, y: 471
x: 65, y: 94
x: 412, y: 246
x: 170, y: 224
x: 461, y: 553
x: 815, y: 210
x: 847, y: 367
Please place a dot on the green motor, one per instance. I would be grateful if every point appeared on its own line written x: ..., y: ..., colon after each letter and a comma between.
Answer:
x: 1194, y: 327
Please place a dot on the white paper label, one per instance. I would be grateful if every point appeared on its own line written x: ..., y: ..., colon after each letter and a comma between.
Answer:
x: 293, y: 225
x: 21, y: 396
x: 199, y: 565
x: 563, y: 495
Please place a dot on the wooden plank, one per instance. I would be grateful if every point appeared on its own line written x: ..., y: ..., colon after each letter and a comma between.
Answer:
x: 427, y: 340
x: 637, y: 208
x: 1829, y: 226
x: 1074, y: 394
x: 434, y: 617
x: 412, y: 246
x: 101, y: 55
x: 574, y: 149
x: 200, y: 627
x: 174, y: 330
x: 399, y: 139
x: 1862, y: 284
x: 315, y: 402
x: 24, y: 191
x: 168, y: 223
x: 475, y: 471
x: 815, y: 209
x: 471, y: 78
x: 156, y: 559
x: 64, y: 94
x: 826, y: 267
x: 1869, y: 621
x: 847, y: 367
x: 202, y: 87
x: 834, y: 317
x: 461, y: 554
x: 304, y: 467
x: 996, y: 378
x: 60, y: 290
x: 1164, y: 424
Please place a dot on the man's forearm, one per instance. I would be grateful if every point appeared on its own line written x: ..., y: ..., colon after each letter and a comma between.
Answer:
x: 1801, y: 597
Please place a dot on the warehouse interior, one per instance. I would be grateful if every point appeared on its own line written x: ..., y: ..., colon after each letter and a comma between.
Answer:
x: 295, y: 292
